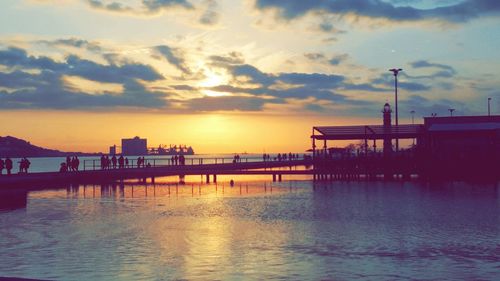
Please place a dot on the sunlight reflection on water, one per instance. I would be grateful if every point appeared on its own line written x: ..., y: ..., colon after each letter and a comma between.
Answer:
x: 254, y: 230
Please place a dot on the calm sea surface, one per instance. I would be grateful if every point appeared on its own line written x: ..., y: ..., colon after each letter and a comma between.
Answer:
x: 295, y: 229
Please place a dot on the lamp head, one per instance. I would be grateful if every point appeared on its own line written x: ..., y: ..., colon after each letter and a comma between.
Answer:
x: 387, y: 107
x: 395, y: 71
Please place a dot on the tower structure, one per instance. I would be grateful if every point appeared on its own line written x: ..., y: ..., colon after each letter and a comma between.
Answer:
x: 387, y: 129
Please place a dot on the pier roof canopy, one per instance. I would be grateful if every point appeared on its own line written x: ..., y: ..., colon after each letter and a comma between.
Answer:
x: 406, y: 131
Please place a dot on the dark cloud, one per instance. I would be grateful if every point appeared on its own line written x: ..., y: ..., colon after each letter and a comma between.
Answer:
x: 387, y: 80
x: 444, y: 71
x: 231, y: 58
x: 173, y: 56
x: 315, y: 56
x: 16, y: 57
x: 297, y: 86
x: 338, y: 59
x: 333, y: 60
x: 455, y: 12
x: 210, y: 16
x: 110, y: 73
x: 109, y: 6
x: 161, y: 4
x: 425, y: 107
x: 208, y: 8
x: 47, y: 89
x: 75, y: 42
x: 146, y: 6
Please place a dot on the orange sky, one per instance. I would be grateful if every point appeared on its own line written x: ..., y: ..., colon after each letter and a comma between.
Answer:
x: 207, y: 133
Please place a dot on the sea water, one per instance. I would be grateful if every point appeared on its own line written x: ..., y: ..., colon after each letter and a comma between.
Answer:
x: 256, y: 229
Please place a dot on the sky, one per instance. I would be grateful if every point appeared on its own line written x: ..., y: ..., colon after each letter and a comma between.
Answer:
x: 229, y: 76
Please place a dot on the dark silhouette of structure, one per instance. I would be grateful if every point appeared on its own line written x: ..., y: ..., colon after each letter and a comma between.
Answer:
x: 465, y: 147
x: 134, y: 146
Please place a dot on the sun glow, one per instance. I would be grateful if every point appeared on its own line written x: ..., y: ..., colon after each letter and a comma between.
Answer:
x: 213, y: 79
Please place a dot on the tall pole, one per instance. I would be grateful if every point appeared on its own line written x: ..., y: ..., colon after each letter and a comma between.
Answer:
x: 396, y: 71
x: 489, y: 99
x: 413, y: 122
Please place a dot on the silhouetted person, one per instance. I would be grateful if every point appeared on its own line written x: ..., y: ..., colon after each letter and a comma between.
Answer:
x: 121, y: 162
x: 126, y: 162
x: 2, y: 166
x: 231, y: 183
x: 113, y: 160
x: 27, y: 164
x: 8, y: 165
x: 24, y: 165
x: 75, y: 163
x: 63, y: 168
x: 103, y: 162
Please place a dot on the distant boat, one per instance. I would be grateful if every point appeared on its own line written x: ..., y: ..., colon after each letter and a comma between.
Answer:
x: 171, y: 150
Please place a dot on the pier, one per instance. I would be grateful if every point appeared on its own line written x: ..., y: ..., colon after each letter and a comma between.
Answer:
x: 93, y: 173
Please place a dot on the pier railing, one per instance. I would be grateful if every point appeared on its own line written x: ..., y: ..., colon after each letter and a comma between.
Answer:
x: 95, y: 164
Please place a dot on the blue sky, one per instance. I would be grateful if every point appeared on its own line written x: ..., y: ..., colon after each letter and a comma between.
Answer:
x: 319, y: 57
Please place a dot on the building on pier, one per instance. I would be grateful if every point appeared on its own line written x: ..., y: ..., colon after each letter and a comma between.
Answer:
x: 447, y: 147
x: 134, y: 146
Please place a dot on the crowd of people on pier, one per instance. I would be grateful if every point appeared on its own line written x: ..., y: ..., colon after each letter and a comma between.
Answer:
x: 8, y: 164
x: 280, y: 157
x: 178, y: 160
x: 107, y: 162
x: 71, y: 164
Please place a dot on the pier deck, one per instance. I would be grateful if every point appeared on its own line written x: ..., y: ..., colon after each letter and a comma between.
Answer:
x: 98, y: 175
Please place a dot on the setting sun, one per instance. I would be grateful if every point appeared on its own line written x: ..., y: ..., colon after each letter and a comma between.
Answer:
x: 213, y: 79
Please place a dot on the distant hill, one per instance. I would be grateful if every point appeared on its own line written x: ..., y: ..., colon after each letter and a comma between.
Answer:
x: 14, y: 147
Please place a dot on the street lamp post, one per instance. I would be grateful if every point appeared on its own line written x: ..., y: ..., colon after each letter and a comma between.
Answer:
x: 413, y: 122
x: 451, y: 111
x: 489, y: 99
x: 396, y: 71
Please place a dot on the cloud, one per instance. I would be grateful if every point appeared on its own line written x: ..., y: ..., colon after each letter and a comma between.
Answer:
x: 231, y: 58
x: 111, y: 6
x: 315, y: 56
x: 425, y: 107
x: 444, y: 71
x: 338, y: 59
x: 145, y: 6
x: 387, y: 80
x: 455, y: 12
x: 206, y: 10
x: 16, y: 57
x: 284, y: 86
x: 322, y: 58
x: 76, y: 43
x: 153, y: 5
x: 45, y: 88
x: 210, y: 16
x: 173, y: 56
